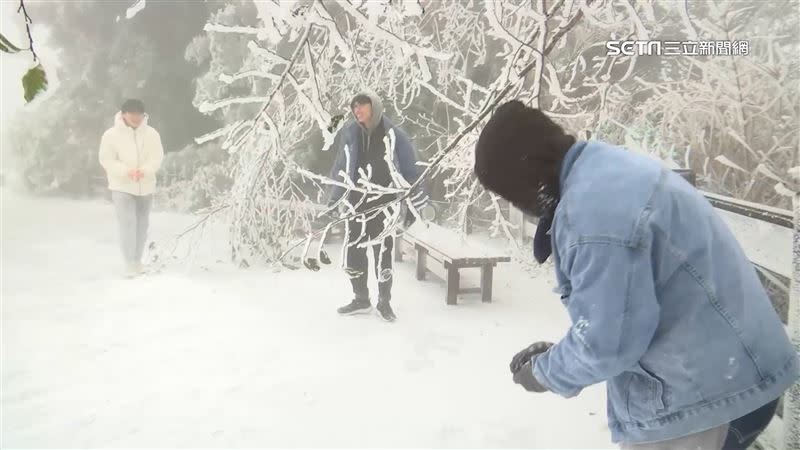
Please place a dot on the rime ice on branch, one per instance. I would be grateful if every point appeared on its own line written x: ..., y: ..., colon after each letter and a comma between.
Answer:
x: 441, y: 68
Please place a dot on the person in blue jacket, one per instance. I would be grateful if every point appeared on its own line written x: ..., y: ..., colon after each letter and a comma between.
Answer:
x: 365, y: 146
x: 665, y: 306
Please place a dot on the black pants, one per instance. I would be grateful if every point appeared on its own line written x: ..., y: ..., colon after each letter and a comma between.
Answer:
x: 357, y: 261
x: 743, y: 431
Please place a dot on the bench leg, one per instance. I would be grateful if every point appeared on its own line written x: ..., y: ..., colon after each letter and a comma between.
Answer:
x: 487, y: 273
x: 453, y: 282
x: 421, y: 263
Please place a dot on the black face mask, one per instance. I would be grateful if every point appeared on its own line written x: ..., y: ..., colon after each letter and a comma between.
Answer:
x: 542, y: 245
x: 540, y: 203
x: 535, y: 202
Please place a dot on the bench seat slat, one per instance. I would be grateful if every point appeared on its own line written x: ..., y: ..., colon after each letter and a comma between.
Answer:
x: 448, y: 243
x: 453, y: 252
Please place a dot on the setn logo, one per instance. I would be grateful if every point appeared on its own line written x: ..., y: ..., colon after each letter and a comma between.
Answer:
x: 632, y: 48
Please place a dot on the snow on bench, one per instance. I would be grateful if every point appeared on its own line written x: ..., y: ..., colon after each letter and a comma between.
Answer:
x: 454, y: 252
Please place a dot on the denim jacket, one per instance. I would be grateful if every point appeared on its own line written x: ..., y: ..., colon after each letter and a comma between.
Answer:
x: 665, y: 306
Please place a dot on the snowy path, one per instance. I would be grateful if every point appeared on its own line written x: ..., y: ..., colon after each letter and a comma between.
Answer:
x: 251, y: 358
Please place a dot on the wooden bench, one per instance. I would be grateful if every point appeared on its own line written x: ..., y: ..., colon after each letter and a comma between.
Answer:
x: 433, y: 242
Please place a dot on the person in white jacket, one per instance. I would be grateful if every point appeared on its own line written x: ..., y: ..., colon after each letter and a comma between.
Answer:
x: 131, y: 153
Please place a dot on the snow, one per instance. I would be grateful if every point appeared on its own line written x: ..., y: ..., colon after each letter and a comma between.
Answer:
x: 781, y: 189
x: 207, y: 107
x: 225, y: 131
x: 765, y: 244
x: 772, y: 438
x: 226, y: 357
x: 412, y: 8
x: 451, y: 243
x: 722, y: 159
x: 769, y: 173
x: 135, y: 9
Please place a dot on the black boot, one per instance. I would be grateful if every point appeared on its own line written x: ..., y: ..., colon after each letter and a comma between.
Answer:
x: 357, y: 306
x: 385, y: 311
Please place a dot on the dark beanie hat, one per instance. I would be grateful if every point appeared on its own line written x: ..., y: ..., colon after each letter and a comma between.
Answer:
x: 519, y: 149
x: 132, y: 106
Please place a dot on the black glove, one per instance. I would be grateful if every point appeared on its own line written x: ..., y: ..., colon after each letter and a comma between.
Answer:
x: 524, y: 376
x: 525, y: 355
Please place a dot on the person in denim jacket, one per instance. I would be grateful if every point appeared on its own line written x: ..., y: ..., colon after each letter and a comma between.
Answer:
x: 665, y: 306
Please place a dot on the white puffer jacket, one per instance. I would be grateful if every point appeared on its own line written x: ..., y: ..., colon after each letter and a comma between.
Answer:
x: 123, y: 149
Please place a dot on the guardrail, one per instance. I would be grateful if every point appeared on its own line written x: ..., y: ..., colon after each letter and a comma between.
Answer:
x: 775, y: 216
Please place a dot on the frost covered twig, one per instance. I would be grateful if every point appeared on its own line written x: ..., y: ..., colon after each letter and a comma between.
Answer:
x: 501, y: 95
x: 441, y: 88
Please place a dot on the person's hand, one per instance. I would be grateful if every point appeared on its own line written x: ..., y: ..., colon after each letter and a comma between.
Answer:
x: 135, y: 174
x: 524, y: 377
x: 526, y: 354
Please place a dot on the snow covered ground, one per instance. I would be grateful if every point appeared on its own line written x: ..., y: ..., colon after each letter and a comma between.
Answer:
x: 227, y: 357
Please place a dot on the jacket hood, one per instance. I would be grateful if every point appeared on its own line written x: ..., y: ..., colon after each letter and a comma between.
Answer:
x: 118, y: 122
x: 377, y: 107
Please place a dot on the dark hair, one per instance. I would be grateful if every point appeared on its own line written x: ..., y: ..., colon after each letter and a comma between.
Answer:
x: 360, y: 99
x: 132, y: 105
x: 519, y: 154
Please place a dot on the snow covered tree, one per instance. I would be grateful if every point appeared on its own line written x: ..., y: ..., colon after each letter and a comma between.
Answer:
x: 103, y: 60
x: 732, y: 118
x: 34, y: 81
x: 307, y: 58
x: 282, y: 75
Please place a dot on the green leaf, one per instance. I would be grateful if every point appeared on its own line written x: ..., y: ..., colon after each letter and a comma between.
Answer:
x: 7, y: 46
x: 34, y: 82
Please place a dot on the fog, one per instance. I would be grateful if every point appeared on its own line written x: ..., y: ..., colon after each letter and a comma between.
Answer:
x: 216, y: 325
